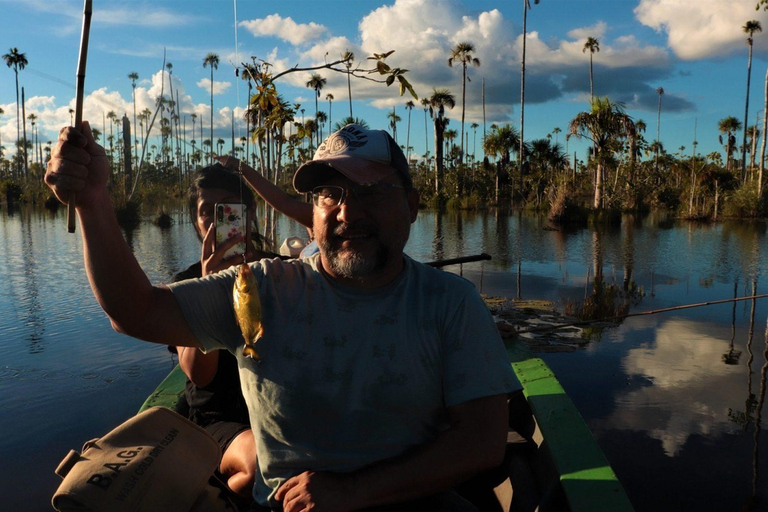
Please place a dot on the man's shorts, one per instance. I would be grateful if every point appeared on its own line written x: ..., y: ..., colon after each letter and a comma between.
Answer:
x: 225, y: 432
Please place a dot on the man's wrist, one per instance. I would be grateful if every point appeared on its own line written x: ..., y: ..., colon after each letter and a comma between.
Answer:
x: 96, y: 202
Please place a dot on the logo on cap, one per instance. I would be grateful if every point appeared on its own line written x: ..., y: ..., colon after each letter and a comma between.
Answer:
x: 345, y: 140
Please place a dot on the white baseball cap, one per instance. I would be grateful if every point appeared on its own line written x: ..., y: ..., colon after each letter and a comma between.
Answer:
x: 362, y: 155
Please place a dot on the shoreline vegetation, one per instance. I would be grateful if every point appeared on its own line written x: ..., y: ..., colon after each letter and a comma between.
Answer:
x: 623, y: 172
x: 549, y: 188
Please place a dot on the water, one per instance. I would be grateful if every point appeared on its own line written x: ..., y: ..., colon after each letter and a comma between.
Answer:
x: 655, y: 390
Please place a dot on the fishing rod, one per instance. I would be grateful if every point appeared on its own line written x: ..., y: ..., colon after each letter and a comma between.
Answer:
x: 641, y: 313
x: 456, y: 261
x: 79, y: 90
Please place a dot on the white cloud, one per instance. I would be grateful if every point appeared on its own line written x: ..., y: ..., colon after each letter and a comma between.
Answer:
x: 218, y: 87
x: 422, y: 45
x: 581, y: 34
x: 140, y: 16
x: 285, y: 29
x: 704, y: 28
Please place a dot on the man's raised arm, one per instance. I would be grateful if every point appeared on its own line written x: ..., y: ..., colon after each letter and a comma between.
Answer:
x: 134, y: 306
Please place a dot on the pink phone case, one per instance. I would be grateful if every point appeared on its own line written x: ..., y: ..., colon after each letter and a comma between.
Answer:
x: 231, y: 220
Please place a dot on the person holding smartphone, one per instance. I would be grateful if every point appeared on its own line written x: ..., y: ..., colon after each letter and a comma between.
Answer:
x: 213, y: 389
x: 277, y: 198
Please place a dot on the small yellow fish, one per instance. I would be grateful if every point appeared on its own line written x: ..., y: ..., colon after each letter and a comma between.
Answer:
x: 248, y: 309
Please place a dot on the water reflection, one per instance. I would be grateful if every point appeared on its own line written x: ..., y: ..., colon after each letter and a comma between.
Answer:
x: 732, y: 356
x: 629, y: 250
x: 437, y: 238
x: 33, y: 316
x: 686, y: 390
x: 658, y: 384
x: 754, y: 502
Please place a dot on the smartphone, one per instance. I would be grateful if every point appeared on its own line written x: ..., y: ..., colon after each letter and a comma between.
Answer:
x: 232, y: 220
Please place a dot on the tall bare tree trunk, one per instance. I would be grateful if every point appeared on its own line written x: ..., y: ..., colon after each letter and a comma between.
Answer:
x: 463, y: 105
x: 693, y: 170
x: 438, y: 156
x: 746, y: 117
x: 598, y: 203
x: 762, y: 147
x: 522, y: 100
x: 483, y: 113
x: 24, y: 133
x: 128, y: 178
x: 717, y: 197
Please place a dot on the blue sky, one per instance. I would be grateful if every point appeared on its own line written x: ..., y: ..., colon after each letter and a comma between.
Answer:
x: 695, y: 50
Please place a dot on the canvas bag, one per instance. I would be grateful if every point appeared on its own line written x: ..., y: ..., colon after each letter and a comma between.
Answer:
x: 155, y: 461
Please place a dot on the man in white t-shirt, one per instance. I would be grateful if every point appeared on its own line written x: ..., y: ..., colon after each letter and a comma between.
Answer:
x: 381, y: 381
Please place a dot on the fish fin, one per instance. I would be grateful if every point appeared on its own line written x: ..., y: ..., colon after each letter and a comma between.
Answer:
x: 250, y: 352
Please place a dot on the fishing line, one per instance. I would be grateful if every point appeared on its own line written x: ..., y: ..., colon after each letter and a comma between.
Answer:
x: 239, y: 132
x: 641, y: 313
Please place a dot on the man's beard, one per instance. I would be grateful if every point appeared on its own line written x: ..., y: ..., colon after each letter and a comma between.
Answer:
x: 352, y: 264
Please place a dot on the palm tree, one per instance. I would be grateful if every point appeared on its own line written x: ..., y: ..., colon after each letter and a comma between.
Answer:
x: 474, y: 127
x: 112, y: 120
x: 32, y: 119
x: 350, y: 120
x: 556, y: 130
x: 211, y: 60
x: 640, y: 127
x: 321, y: 118
x: 463, y: 52
x: 330, y: 99
x: 408, y: 106
x: 393, y: 120
x: 749, y: 28
x: 249, y: 75
x: 449, y: 136
x: 173, y: 109
x: 593, y: 45
x: 605, y: 123
x: 727, y: 126
x: 133, y: 77
x: 499, y: 143
x: 18, y: 61
x: 349, y: 58
x: 144, y: 117
x: 316, y: 82
x: 425, y: 105
x: 440, y: 99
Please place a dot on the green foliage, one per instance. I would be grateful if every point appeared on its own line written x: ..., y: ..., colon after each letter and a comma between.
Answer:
x: 604, y: 218
x: 744, y: 203
x: 51, y: 203
x: 606, y: 302
x: 453, y: 203
x: 668, y: 198
x: 564, y: 206
x: 128, y: 214
x: 10, y: 191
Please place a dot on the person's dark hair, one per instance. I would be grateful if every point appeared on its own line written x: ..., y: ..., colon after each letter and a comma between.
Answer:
x: 218, y: 176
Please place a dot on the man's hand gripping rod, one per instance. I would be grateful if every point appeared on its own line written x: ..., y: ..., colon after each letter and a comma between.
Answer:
x: 79, y: 90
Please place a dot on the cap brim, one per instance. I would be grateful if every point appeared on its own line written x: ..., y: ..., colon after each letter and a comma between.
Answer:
x: 359, y: 170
